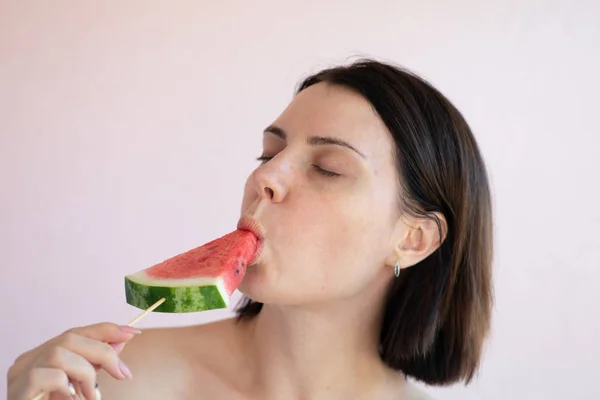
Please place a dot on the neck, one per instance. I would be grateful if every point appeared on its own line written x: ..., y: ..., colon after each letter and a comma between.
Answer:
x: 324, y: 352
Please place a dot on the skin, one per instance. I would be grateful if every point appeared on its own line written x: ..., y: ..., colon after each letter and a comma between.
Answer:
x: 322, y: 275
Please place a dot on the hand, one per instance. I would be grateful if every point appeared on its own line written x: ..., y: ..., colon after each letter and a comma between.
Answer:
x: 74, y: 356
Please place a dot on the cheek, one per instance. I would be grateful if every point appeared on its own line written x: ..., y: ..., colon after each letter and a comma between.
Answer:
x: 357, y: 233
x: 335, y: 241
x: 323, y: 250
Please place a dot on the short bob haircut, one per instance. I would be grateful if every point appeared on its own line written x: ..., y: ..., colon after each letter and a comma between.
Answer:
x: 438, y: 312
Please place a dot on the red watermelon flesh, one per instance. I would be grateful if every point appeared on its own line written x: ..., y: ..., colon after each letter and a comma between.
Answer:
x: 199, y: 279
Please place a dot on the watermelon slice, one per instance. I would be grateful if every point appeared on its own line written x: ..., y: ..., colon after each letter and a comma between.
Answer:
x: 200, y: 279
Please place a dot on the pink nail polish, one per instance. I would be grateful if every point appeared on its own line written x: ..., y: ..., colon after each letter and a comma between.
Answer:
x: 125, y: 370
x: 130, y: 329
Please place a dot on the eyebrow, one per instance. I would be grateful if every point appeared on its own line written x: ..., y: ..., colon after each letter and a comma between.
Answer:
x: 315, y: 140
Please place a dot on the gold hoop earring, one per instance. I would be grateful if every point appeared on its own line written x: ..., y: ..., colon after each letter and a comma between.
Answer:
x: 397, y: 268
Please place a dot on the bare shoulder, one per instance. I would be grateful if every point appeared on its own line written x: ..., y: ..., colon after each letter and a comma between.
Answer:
x: 166, y: 363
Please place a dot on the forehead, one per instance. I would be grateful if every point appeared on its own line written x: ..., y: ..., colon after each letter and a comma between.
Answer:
x: 332, y: 110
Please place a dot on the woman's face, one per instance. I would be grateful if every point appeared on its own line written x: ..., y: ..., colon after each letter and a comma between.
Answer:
x: 330, y: 193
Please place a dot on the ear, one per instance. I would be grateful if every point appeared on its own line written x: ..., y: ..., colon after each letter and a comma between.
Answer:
x: 416, y: 238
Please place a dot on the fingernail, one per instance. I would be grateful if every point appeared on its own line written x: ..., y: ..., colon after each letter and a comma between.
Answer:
x: 130, y: 329
x: 125, y: 370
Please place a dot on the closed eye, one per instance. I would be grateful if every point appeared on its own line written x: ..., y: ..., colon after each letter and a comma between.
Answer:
x: 324, y: 172
x: 263, y: 159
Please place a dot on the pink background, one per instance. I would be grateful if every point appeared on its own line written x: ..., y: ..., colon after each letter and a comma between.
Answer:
x: 127, y: 129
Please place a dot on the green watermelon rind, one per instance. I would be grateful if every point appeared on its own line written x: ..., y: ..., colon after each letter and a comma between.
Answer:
x: 178, y: 299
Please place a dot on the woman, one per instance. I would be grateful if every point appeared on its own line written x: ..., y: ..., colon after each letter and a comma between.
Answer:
x: 376, y: 266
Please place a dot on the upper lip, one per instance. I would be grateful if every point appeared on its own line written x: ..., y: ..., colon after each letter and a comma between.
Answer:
x: 249, y: 223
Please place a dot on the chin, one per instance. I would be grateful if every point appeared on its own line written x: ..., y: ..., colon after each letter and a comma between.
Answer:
x: 254, y: 285
x: 257, y: 286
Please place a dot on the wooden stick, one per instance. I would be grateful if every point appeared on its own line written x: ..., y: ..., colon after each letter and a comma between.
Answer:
x: 148, y: 311
x: 133, y: 321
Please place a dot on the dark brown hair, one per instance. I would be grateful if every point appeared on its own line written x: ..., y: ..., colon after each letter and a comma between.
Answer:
x: 438, y: 312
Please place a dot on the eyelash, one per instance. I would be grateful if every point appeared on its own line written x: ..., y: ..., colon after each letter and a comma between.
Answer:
x: 320, y: 170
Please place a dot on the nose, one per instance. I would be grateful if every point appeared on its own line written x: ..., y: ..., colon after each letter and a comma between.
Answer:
x: 271, y: 184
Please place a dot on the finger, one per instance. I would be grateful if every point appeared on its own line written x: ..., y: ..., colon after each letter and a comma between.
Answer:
x: 118, y: 347
x: 48, y: 380
x: 77, y: 368
x: 99, y: 354
x: 79, y: 393
x: 107, y: 332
